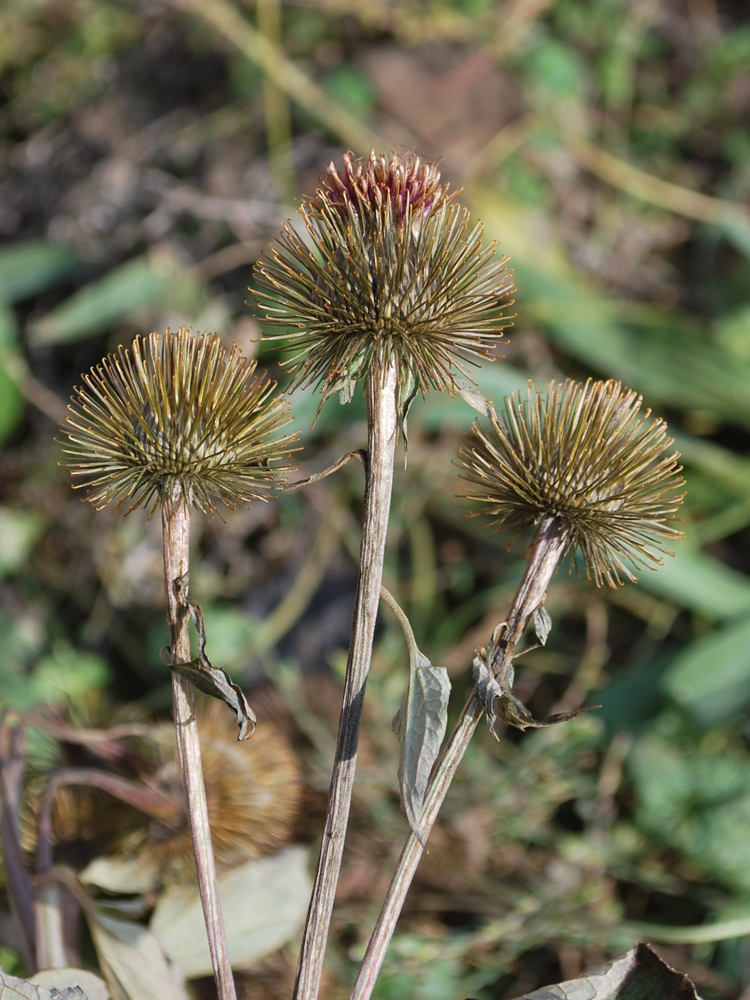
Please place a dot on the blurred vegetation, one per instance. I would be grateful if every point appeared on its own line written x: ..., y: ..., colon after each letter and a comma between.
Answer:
x: 148, y: 150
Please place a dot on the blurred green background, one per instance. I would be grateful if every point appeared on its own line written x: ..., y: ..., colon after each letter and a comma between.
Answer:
x: 148, y: 152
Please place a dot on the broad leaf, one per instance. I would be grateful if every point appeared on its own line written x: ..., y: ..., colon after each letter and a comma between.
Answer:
x: 711, y: 676
x: 53, y: 984
x: 28, y: 268
x: 420, y: 722
x: 264, y: 903
x: 94, y: 988
x: 133, y: 960
x: 638, y: 975
x: 696, y: 802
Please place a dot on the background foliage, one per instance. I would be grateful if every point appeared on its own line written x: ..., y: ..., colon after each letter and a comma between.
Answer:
x: 147, y: 152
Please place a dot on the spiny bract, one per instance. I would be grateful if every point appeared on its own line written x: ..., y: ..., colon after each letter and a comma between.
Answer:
x: 175, y: 410
x: 390, y: 270
x: 588, y: 456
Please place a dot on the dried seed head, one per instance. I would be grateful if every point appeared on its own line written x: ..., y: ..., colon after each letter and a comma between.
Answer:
x: 587, y: 455
x: 172, y: 410
x: 253, y: 793
x: 390, y: 269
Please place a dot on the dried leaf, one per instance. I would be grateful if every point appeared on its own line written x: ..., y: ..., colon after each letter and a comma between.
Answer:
x: 542, y: 624
x: 407, y: 394
x: 217, y: 683
x: 12, y: 988
x: 93, y: 987
x: 503, y: 706
x: 638, y: 975
x: 360, y: 453
x: 264, y: 904
x: 122, y: 875
x: 420, y: 722
x: 205, y: 676
x: 471, y: 394
x: 133, y: 960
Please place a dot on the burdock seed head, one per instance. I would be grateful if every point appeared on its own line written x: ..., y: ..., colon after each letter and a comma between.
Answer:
x: 390, y: 269
x: 588, y: 456
x: 175, y: 410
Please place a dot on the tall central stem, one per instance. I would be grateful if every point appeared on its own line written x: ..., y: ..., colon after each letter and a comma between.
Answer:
x: 382, y: 413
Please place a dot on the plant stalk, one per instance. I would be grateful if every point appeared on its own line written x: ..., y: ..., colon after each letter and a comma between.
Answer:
x: 382, y: 411
x: 176, y: 547
x: 545, y: 552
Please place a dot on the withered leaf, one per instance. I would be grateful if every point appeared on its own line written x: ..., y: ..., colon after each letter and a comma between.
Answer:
x: 638, y: 975
x: 542, y: 624
x: 211, y: 680
x: 503, y: 706
x: 419, y: 724
x: 12, y: 988
x: 217, y: 683
x: 471, y: 394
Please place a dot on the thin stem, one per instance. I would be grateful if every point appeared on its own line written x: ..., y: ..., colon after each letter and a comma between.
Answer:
x: 176, y: 547
x: 545, y: 553
x: 19, y: 888
x: 275, y: 103
x: 382, y: 433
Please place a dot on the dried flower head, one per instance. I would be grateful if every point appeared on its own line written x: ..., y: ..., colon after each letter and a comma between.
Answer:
x: 175, y: 410
x: 253, y: 792
x: 587, y: 455
x: 404, y: 183
x: 390, y: 269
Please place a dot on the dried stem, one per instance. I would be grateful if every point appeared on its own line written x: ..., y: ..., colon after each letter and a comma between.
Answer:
x: 19, y: 888
x: 176, y: 546
x: 545, y: 553
x: 382, y: 433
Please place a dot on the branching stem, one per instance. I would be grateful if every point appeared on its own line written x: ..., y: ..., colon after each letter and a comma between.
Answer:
x: 382, y: 433
x: 176, y: 546
x: 544, y: 555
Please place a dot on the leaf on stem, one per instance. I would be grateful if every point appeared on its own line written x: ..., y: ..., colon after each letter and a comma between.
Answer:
x: 471, y: 394
x: 202, y: 674
x: 501, y: 705
x: 360, y: 453
x: 420, y: 723
x: 542, y: 624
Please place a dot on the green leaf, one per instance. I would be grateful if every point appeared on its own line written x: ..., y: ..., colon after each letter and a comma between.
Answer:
x: 264, y: 903
x: 671, y: 364
x: 695, y: 580
x: 638, y: 975
x: 711, y: 677
x: 11, y: 400
x: 146, y: 281
x: 28, y: 268
x: 420, y: 723
x: 67, y: 674
x: 19, y: 532
x: 698, y: 803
